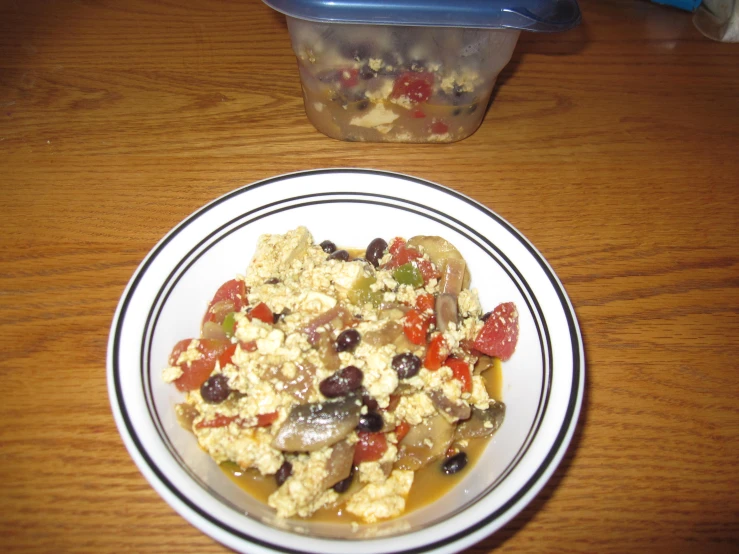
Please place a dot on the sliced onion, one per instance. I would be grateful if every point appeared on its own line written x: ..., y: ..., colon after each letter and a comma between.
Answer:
x: 452, y: 276
x: 337, y: 312
x: 340, y: 463
x: 445, y: 309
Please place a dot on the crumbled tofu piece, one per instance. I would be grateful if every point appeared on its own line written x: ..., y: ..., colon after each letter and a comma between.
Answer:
x: 191, y: 354
x: 171, y: 374
x: 305, y: 491
x: 382, y: 500
x: 250, y: 448
x: 469, y: 304
x: 377, y: 116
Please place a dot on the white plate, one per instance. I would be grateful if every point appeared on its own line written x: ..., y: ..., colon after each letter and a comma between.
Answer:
x: 166, y: 297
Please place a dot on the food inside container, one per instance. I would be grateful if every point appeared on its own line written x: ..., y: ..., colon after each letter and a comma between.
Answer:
x: 420, y: 71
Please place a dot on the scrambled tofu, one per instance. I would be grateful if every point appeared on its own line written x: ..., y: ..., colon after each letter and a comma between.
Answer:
x: 315, y: 375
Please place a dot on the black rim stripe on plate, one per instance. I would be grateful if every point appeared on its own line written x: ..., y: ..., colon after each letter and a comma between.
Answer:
x: 226, y: 229
x: 574, y: 336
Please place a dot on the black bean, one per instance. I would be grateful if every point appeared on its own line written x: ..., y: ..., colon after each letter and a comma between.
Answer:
x: 362, y: 105
x: 343, y: 485
x: 456, y: 111
x: 472, y: 108
x: 272, y: 281
x: 457, y: 90
x: 375, y: 251
x: 342, y: 255
x: 215, y: 390
x: 366, y: 73
x: 277, y: 317
x: 371, y: 422
x: 370, y: 402
x: 347, y: 340
x: 486, y: 316
x: 454, y: 464
x: 285, y: 471
x: 342, y: 382
x: 406, y: 365
x: 328, y: 247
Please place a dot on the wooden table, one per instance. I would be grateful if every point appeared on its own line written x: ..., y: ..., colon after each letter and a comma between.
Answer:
x: 614, y: 148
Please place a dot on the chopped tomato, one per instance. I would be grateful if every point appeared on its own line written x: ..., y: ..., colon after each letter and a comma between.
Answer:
x: 499, y: 336
x: 218, y: 421
x: 349, y: 77
x: 415, y: 327
x: 425, y: 303
x: 416, y: 86
x: 195, y: 372
x: 418, y: 114
x: 263, y: 420
x: 427, y: 269
x: 437, y: 353
x: 370, y: 447
x: 262, y: 312
x: 230, y: 297
x: 439, y: 127
x: 402, y: 430
x: 461, y: 371
x: 401, y: 255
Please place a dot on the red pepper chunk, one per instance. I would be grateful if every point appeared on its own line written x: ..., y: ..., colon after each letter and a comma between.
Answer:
x: 414, y: 85
x: 264, y: 420
x: 428, y: 270
x: 218, y: 421
x: 415, y: 327
x: 370, y: 447
x: 437, y: 353
x: 499, y: 335
x: 461, y: 371
x: 401, y: 430
x: 262, y: 312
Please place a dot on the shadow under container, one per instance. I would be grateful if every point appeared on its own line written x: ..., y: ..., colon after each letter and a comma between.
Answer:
x: 414, y: 71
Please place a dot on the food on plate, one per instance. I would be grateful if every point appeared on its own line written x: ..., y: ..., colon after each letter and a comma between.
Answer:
x: 342, y: 374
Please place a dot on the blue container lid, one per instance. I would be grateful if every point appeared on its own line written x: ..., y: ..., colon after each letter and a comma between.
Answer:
x: 529, y: 15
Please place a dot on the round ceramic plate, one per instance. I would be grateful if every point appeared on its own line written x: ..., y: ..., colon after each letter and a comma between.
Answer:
x: 167, y: 296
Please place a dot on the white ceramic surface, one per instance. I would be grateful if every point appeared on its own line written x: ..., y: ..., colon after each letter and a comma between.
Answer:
x: 167, y: 296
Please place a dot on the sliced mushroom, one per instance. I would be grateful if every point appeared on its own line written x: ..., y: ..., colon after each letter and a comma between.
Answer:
x: 340, y: 463
x: 453, y: 411
x: 452, y: 276
x: 446, y: 310
x: 484, y: 362
x: 482, y: 423
x: 310, y: 427
x: 440, y: 251
x: 425, y: 442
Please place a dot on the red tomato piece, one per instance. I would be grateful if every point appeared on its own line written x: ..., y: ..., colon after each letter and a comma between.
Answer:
x: 262, y: 312
x: 439, y: 127
x: 196, y: 372
x: 178, y: 349
x: 218, y: 421
x: 402, y: 430
x: 499, y: 336
x: 415, y: 327
x: 425, y: 302
x: 461, y: 371
x: 418, y: 114
x: 230, y: 297
x: 349, y: 77
x: 402, y: 257
x: 263, y: 420
x: 437, y: 353
x: 416, y: 86
x: 370, y: 447
x: 250, y: 346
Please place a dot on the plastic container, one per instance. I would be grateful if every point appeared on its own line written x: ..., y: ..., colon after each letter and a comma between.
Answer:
x: 416, y: 71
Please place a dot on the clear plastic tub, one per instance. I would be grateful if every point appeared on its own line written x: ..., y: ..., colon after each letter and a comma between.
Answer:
x: 417, y: 71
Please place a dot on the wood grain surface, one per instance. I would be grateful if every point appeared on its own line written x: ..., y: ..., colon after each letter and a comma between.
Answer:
x: 613, y: 147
